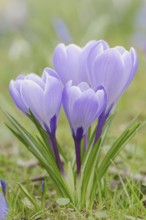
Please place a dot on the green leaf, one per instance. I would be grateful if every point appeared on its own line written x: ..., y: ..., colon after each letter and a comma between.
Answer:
x: 114, y: 150
x: 88, y: 170
x: 117, y: 146
x: 42, y: 132
x: 70, y: 180
x: 45, y: 135
x: 29, y: 196
x: 45, y: 157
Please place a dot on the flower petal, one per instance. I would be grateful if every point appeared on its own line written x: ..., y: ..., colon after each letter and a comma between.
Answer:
x: 86, y: 109
x: 95, y: 51
x: 70, y: 95
x: 3, y: 207
x: 66, y: 62
x: 14, y: 89
x: 83, y: 105
x: 32, y: 94
x: 48, y: 71
x: 108, y: 70
x: 36, y: 78
x: 70, y: 62
x: 52, y: 99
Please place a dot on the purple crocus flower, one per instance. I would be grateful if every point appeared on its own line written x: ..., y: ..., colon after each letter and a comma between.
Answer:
x: 113, y: 68
x: 3, y: 202
x: 69, y: 62
x: 82, y: 106
x: 43, y: 97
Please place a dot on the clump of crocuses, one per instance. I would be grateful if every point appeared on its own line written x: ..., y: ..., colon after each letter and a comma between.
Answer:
x: 87, y: 82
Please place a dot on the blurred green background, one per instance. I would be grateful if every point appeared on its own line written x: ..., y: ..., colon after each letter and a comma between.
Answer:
x: 29, y: 32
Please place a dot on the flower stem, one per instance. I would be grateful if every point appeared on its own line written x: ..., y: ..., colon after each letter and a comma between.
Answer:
x: 77, y: 142
x: 56, y: 153
x: 100, y: 125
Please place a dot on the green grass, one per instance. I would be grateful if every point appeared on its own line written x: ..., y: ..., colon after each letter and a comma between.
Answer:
x: 86, y: 20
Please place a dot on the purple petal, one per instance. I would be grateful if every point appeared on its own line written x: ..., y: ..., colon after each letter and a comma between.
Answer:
x: 3, y: 185
x: 37, y: 79
x: 70, y: 95
x: 70, y: 62
x: 14, y: 89
x: 48, y: 71
x: 95, y: 51
x: 82, y: 107
x: 3, y: 207
x: 32, y: 94
x: 121, y: 49
x: 102, y: 96
x: 83, y: 58
x: 3, y: 203
x: 66, y: 62
x: 134, y: 58
x: 86, y: 109
x: 108, y: 70
x: 83, y: 86
x: 52, y: 99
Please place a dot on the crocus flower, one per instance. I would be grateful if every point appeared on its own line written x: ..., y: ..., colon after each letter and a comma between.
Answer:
x: 82, y: 106
x: 62, y: 30
x: 69, y: 62
x: 43, y: 97
x: 113, y: 68
x: 3, y: 202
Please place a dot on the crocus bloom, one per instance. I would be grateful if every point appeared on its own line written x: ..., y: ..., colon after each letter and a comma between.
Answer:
x: 113, y: 68
x: 3, y: 203
x: 69, y: 62
x: 43, y: 97
x: 82, y: 106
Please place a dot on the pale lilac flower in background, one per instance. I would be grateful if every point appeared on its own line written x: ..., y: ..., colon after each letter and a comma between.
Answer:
x: 62, y: 30
x: 3, y: 202
x: 69, y: 62
x: 139, y: 22
x: 43, y: 97
x: 82, y: 106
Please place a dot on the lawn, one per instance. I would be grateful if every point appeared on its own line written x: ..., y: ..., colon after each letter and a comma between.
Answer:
x: 27, y: 47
